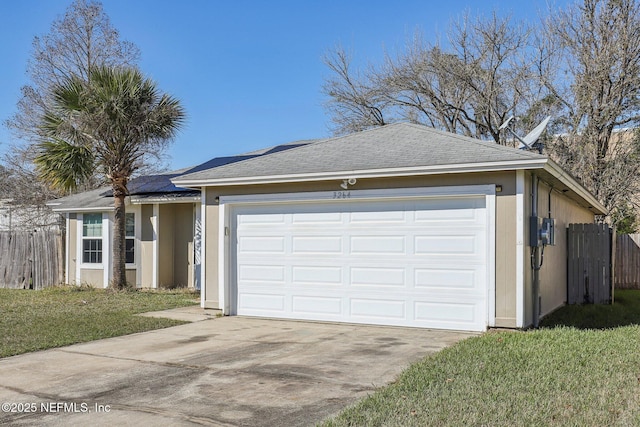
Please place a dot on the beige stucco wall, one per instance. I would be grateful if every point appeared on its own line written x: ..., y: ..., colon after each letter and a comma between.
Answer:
x: 553, y: 274
x: 175, y: 245
x: 72, y: 249
x: 183, y: 245
x: 131, y: 276
x: 93, y: 277
x: 506, y: 259
x: 174, y: 223
x: 166, y: 224
x: 505, y: 226
x: 146, y: 246
x: 209, y: 286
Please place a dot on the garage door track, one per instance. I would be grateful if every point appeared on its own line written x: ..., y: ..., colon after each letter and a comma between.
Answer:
x: 231, y: 371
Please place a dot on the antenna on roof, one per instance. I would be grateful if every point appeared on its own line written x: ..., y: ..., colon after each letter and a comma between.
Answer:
x: 528, y: 142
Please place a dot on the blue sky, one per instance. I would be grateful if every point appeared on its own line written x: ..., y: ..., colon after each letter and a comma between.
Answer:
x: 249, y: 73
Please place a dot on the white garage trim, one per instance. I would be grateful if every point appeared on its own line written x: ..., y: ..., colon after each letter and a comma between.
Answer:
x: 226, y: 275
x: 203, y: 246
x: 520, y: 249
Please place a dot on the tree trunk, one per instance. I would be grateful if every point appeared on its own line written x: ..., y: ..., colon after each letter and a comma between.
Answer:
x: 119, y: 279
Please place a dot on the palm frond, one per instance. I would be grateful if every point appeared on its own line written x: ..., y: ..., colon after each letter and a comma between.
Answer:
x: 65, y: 166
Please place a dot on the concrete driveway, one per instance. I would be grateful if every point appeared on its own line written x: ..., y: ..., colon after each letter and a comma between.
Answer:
x: 230, y: 371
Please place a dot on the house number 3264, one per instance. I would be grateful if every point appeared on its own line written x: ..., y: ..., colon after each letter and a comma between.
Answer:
x: 342, y: 194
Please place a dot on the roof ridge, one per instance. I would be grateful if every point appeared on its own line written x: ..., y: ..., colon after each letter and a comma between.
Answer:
x: 469, y: 139
x: 251, y: 155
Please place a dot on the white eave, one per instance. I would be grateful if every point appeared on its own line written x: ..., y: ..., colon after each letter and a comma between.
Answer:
x: 129, y: 200
x: 80, y: 210
x: 368, y: 173
x: 164, y: 200
x: 555, y: 170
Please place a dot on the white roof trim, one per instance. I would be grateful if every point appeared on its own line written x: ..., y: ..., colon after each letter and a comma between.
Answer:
x: 366, y: 173
x: 129, y: 200
x: 555, y: 170
x: 163, y: 200
x: 81, y: 210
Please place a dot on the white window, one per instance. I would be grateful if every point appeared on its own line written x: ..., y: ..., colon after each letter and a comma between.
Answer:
x: 130, y: 238
x: 92, y: 238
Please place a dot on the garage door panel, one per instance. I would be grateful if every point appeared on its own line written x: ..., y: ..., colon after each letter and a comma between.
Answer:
x: 448, y: 215
x: 319, y: 244
x: 261, y: 273
x: 311, y: 305
x: 261, y: 303
x: 378, y: 245
x: 366, y: 262
x: 446, y: 245
x: 261, y: 219
x: 262, y: 244
x: 321, y: 275
x: 329, y: 218
x: 447, y: 210
x: 438, y: 311
x: 434, y: 279
x: 385, y: 217
x: 378, y: 276
x: 377, y: 310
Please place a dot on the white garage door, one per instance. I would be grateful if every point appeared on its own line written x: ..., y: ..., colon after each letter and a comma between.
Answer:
x: 419, y: 263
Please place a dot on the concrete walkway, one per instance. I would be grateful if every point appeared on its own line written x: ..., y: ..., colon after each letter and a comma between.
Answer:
x: 192, y: 313
x: 228, y: 371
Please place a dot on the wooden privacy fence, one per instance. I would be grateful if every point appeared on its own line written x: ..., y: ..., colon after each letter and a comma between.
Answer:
x: 589, y: 264
x: 627, y: 261
x: 30, y: 260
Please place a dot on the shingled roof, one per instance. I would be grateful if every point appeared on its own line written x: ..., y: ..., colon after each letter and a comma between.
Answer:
x: 389, y: 148
x: 157, y: 188
x: 399, y: 149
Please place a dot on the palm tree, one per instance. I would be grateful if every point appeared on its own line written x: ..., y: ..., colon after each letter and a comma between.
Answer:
x: 110, y: 123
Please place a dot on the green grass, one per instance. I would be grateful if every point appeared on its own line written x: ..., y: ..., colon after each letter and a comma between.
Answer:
x: 54, y: 317
x: 624, y: 311
x: 581, y: 369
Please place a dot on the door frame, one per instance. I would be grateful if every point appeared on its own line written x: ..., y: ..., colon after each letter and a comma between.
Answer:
x: 227, y: 228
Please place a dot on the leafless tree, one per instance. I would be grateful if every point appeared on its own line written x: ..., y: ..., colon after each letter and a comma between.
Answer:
x: 77, y: 42
x: 581, y: 65
x: 595, y: 50
x: 468, y: 85
x: 356, y: 100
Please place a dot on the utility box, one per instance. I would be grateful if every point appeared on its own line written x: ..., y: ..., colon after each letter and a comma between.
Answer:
x: 548, y: 231
x: 542, y: 231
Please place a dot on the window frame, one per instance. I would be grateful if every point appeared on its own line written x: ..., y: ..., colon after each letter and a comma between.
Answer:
x: 90, y: 236
x: 132, y: 237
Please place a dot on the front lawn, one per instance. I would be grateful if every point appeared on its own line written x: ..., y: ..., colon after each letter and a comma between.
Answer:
x: 54, y: 317
x: 558, y: 375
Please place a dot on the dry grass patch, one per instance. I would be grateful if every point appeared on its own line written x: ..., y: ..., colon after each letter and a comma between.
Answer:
x: 59, y: 316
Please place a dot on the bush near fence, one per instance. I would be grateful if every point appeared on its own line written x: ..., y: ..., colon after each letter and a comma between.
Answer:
x: 31, y: 260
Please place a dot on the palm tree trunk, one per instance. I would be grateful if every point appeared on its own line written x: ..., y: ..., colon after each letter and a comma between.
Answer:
x: 119, y: 279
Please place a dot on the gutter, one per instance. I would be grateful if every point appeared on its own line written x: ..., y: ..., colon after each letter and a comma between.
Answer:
x: 361, y: 174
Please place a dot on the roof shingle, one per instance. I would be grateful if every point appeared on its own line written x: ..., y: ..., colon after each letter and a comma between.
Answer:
x: 400, y: 145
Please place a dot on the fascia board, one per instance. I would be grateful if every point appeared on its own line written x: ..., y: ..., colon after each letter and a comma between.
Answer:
x: 81, y: 210
x: 367, y: 173
x: 555, y: 170
x: 164, y: 201
x: 130, y: 200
